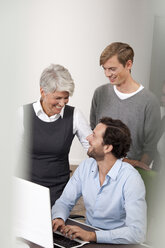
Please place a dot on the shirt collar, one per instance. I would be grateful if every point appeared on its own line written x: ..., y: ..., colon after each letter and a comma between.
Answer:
x: 39, y: 110
x: 113, y: 172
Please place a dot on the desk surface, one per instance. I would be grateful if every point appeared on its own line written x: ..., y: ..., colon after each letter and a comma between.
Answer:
x: 32, y: 245
x: 90, y: 245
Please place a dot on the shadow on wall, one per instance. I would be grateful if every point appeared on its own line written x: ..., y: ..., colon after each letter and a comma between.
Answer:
x: 157, y: 86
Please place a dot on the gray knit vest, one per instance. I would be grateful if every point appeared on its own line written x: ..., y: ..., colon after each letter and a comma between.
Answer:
x: 47, y: 145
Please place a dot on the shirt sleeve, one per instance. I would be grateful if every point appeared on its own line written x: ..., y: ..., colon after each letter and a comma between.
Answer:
x: 81, y: 128
x: 69, y: 197
x: 93, y: 111
x: 135, y: 224
x: 151, y: 126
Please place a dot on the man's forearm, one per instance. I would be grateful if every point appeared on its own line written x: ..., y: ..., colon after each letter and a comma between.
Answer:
x: 92, y: 236
x: 136, y: 163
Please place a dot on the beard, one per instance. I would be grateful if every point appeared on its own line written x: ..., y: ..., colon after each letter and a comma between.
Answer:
x: 96, y: 154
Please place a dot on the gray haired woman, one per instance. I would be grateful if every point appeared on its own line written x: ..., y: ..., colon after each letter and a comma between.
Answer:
x: 48, y: 127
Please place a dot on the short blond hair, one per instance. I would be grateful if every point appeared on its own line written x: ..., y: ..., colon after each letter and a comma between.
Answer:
x: 123, y: 51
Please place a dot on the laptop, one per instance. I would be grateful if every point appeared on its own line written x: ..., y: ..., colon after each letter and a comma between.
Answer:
x: 32, y: 216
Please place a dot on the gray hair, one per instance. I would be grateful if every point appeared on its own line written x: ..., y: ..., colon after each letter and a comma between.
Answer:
x: 56, y: 78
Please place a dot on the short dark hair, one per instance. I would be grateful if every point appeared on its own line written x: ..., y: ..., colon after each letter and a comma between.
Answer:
x: 118, y: 135
x: 123, y: 51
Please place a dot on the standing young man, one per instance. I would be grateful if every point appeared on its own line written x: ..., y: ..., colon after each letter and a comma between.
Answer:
x: 129, y: 101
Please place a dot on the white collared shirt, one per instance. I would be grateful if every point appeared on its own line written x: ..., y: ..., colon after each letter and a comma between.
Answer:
x: 80, y: 126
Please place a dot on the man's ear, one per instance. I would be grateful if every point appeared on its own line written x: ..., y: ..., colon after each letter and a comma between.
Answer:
x: 128, y: 65
x: 108, y: 148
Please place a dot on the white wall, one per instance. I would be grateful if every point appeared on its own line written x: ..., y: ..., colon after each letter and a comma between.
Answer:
x: 157, y: 75
x: 74, y: 33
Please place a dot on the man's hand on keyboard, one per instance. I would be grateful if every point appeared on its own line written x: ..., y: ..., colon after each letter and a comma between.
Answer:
x: 73, y: 232
x: 58, y: 224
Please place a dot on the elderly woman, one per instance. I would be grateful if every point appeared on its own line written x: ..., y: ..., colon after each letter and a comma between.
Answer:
x: 49, y: 134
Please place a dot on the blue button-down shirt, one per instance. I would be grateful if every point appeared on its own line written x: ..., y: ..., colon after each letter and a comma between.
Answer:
x: 117, y: 207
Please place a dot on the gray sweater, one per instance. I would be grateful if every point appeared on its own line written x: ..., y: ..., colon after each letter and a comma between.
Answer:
x: 141, y: 113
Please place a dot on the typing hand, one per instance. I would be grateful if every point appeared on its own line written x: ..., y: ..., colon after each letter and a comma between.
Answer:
x: 136, y: 163
x: 58, y: 224
x: 73, y: 232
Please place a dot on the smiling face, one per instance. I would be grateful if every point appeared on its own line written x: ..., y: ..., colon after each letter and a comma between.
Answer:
x: 96, y: 149
x: 115, y: 71
x: 52, y: 103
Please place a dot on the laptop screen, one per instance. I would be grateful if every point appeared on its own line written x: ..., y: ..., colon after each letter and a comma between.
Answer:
x: 32, y: 212
x: 32, y: 216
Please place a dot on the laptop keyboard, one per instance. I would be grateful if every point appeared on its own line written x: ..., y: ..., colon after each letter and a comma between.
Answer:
x: 64, y: 241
